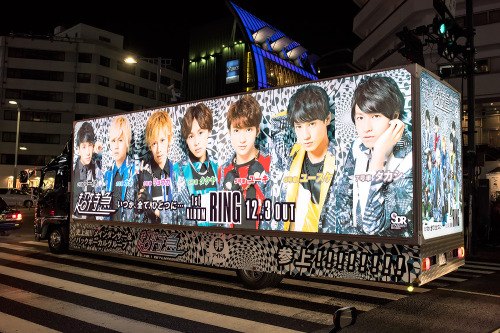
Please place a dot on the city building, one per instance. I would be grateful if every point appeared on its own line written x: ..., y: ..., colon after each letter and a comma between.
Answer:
x: 241, y: 53
x: 377, y: 24
x: 76, y: 73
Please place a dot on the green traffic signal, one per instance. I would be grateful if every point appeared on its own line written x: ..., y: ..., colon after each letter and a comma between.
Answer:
x: 442, y: 28
x: 447, y: 32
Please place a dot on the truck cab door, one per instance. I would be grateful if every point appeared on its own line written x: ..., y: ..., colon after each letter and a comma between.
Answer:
x: 54, y: 202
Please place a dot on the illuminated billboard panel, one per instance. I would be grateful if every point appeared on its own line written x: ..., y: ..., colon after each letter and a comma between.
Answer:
x: 442, y: 197
x: 332, y: 156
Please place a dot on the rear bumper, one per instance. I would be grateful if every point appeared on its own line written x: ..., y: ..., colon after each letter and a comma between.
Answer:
x: 10, y: 225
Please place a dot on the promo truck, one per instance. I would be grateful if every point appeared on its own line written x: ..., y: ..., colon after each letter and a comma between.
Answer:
x: 355, y: 177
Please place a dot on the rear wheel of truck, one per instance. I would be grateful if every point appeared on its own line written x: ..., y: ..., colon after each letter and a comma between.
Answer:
x: 258, y: 280
x: 58, y: 239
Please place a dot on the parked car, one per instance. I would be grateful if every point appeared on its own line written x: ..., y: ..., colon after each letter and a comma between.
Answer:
x: 14, y: 197
x: 10, y: 219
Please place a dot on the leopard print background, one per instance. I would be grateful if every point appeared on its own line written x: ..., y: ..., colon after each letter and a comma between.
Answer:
x: 272, y: 102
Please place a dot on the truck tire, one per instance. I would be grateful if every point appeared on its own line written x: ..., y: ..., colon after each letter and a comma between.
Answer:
x: 58, y: 239
x: 258, y: 280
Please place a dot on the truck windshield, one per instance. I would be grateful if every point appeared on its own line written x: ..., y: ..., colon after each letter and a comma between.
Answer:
x: 48, y: 180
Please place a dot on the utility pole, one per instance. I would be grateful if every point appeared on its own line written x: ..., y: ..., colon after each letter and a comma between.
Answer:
x: 471, y: 94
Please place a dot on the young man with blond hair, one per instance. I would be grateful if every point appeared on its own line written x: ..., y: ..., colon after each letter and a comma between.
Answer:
x: 156, y: 180
x: 120, y: 179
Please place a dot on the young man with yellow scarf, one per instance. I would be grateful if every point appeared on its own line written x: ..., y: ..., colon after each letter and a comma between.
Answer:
x: 309, y: 166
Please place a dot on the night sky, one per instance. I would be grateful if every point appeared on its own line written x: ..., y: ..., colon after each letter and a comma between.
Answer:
x: 153, y: 29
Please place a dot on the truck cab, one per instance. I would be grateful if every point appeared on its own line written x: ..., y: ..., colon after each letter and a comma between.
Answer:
x: 53, y: 205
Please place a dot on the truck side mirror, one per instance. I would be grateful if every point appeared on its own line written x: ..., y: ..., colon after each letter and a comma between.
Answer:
x: 343, y: 317
x: 23, y: 176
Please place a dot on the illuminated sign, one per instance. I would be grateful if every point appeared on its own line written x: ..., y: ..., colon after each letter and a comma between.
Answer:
x: 441, y: 150
x: 160, y: 166
x: 233, y: 71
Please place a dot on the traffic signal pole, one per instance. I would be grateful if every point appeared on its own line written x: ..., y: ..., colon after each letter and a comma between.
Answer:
x: 445, y: 33
x: 471, y: 146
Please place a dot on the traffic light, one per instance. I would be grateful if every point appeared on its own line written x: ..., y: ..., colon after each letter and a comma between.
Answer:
x: 447, y: 28
x: 441, y: 27
x: 447, y: 32
x: 413, y: 49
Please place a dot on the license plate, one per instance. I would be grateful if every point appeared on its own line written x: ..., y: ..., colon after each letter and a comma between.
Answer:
x: 442, y: 259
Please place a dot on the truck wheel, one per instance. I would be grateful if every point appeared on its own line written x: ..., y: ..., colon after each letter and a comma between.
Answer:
x: 258, y: 280
x: 28, y: 204
x: 58, y: 240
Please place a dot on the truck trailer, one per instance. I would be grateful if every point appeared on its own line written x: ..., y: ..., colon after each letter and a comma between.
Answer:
x: 354, y: 177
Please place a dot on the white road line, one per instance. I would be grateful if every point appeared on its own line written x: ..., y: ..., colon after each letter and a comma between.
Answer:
x: 468, y: 275
x: 18, y: 247
x: 474, y: 271
x: 437, y: 284
x: 470, y: 292
x: 146, y: 304
x: 453, y: 279
x: 344, y: 289
x: 287, y: 311
x: 11, y: 324
x: 41, y: 243
x: 481, y: 266
x: 78, y: 312
x: 482, y: 263
x: 387, y: 285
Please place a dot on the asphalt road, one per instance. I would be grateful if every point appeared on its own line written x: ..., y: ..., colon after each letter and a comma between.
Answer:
x: 472, y: 305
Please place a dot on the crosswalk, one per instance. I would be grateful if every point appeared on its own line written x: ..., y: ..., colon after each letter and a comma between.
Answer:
x: 471, y: 269
x: 42, y: 292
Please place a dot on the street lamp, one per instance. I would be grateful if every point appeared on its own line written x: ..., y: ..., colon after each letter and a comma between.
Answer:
x: 17, y: 141
x: 130, y: 60
x: 159, y: 62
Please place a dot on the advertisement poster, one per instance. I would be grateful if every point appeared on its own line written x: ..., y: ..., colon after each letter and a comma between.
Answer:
x: 441, y: 159
x: 233, y: 71
x: 331, y: 156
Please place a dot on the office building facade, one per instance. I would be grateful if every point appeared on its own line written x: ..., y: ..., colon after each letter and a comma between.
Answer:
x: 77, y: 73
